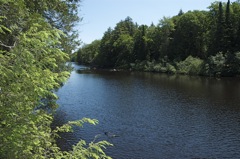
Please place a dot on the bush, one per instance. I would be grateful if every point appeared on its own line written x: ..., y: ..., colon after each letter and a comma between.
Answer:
x: 149, y: 66
x: 171, y: 69
x: 191, y: 66
x: 237, y: 59
x: 223, y: 64
x: 158, y: 67
x: 143, y: 66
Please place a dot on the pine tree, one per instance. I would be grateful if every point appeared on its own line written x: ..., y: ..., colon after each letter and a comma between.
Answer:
x: 139, y: 49
x: 219, y: 35
x: 228, y: 37
x: 180, y: 12
x: 237, y: 38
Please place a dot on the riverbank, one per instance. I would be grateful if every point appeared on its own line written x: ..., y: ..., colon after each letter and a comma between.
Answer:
x: 215, y: 66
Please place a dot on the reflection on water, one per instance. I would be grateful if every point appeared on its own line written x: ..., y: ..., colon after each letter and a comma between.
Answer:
x: 154, y: 115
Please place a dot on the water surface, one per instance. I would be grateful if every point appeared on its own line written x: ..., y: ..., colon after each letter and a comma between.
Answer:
x: 156, y: 116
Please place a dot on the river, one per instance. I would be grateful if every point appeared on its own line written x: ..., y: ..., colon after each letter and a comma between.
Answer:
x: 155, y: 116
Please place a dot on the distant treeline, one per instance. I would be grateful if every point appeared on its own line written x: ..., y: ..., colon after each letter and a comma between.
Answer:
x: 196, y: 42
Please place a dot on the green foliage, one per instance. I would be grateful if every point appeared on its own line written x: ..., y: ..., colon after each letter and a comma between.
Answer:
x: 191, y: 66
x: 190, y: 36
x: 32, y: 65
x: 82, y: 149
x: 223, y: 64
x: 125, y: 46
x: 106, y: 57
x: 217, y: 64
x: 170, y: 68
x: 140, y: 44
x: 162, y: 66
x: 88, y: 53
x: 159, y: 68
x: 68, y: 127
x: 92, y: 150
x: 166, y: 29
x: 194, y: 38
x: 143, y: 66
x: 116, y: 46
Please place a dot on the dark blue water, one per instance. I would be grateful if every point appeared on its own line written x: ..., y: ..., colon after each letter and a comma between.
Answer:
x: 156, y: 116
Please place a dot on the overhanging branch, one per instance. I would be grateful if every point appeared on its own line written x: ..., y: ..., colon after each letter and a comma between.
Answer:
x: 7, y: 46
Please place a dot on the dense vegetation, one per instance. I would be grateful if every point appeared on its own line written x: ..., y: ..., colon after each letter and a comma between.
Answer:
x: 36, y: 38
x: 195, y: 42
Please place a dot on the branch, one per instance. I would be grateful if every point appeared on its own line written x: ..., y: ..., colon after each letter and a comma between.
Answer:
x: 7, y: 46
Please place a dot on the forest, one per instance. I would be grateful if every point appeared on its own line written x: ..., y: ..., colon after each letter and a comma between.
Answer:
x: 36, y: 38
x: 195, y: 43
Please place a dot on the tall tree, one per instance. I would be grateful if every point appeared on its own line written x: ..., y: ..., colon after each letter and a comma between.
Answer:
x: 235, y: 16
x: 124, y: 45
x: 167, y: 28
x: 180, y: 12
x: 237, y: 37
x: 112, y: 47
x: 189, y: 36
x: 88, y: 52
x: 153, y: 37
x: 229, y: 34
x: 106, y: 57
x: 140, y: 46
x: 219, y: 35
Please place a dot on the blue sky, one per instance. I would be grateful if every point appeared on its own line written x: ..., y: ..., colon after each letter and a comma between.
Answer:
x: 99, y: 15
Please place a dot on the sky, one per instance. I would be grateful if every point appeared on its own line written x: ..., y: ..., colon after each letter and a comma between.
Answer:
x: 99, y: 15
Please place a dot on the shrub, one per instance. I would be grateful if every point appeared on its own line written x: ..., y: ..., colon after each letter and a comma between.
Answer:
x: 216, y: 64
x: 158, y: 67
x: 170, y: 68
x: 190, y: 65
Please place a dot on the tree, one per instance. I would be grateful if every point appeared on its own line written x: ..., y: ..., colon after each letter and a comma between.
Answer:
x: 189, y: 37
x: 219, y: 34
x: 198, y: 35
x: 180, y: 12
x: 140, y: 45
x: 88, y: 52
x: 106, y: 58
x: 125, y: 46
x: 153, y: 40
x: 229, y: 35
x: 167, y: 28
x: 32, y: 65
x: 237, y: 37
x: 112, y: 47
x: 235, y: 16
x: 125, y: 27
